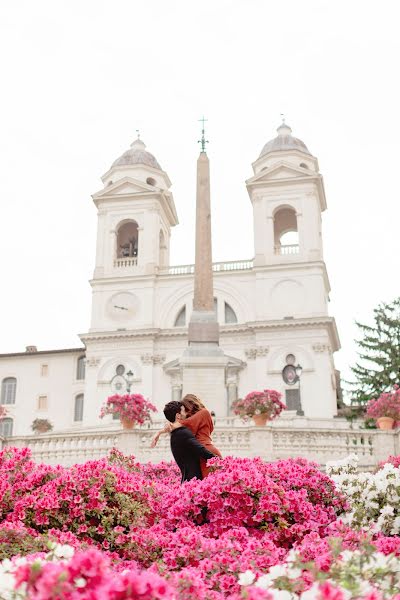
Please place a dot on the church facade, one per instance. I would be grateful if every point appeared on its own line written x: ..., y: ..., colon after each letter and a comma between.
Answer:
x: 272, y: 310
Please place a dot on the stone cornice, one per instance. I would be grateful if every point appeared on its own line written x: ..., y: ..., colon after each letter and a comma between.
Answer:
x: 252, y: 327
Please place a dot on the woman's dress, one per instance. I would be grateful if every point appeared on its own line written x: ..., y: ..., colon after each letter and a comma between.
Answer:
x: 201, y: 425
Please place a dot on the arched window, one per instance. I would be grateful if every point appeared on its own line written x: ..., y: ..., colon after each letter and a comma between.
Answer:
x: 8, y: 390
x: 230, y: 315
x: 180, y: 320
x: 6, y: 427
x: 78, y: 408
x: 286, y: 236
x: 81, y: 367
x: 127, y: 240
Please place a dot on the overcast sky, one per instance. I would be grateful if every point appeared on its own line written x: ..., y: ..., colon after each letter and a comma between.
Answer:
x: 79, y: 77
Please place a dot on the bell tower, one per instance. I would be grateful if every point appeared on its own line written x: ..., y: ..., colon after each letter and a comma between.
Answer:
x: 135, y: 211
x: 288, y: 198
x: 292, y: 286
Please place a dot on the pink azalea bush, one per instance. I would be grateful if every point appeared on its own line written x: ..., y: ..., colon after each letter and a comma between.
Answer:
x: 256, y: 403
x: 387, y: 405
x: 117, y: 529
x: 133, y: 407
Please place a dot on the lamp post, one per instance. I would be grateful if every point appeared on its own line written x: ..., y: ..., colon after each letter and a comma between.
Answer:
x: 299, y: 370
x: 129, y: 381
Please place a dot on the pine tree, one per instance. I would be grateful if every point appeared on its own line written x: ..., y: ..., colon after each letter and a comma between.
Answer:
x: 378, y: 367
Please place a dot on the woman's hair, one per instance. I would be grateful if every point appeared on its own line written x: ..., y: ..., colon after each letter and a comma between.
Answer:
x: 192, y: 403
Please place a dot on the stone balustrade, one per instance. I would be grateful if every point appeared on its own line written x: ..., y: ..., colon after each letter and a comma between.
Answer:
x: 232, y: 265
x: 287, y: 249
x: 319, y: 443
x: 129, y: 261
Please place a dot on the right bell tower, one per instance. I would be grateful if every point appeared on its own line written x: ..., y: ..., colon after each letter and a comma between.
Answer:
x: 288, y: 197
x: 292, y: 286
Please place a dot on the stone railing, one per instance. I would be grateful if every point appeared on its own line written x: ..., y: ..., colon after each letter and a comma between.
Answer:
x: 319, y: 444
x: 232, y: 265
x: 287, y: 249
x: 129, y: 261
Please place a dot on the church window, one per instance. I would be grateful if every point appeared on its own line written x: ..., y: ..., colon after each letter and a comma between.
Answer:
x: 151, y: 181
x: 78, y: 408
x: 42, y: 403
x: 8, y: 390
x: 120, y: 370
x: 180, y: 320
x: 286, y: 236
x: 81, y: 367
x: 230, y: 315
x: 127, y: 240
x: 304, y: 165
x: 6, y: 427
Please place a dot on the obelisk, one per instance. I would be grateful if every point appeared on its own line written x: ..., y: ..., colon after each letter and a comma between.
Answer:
x: 203, y: 362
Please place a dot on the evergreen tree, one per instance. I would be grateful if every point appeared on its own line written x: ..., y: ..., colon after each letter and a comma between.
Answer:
x: 378, y: 367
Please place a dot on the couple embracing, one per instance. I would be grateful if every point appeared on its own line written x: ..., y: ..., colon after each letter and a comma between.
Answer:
x: 190, y: 425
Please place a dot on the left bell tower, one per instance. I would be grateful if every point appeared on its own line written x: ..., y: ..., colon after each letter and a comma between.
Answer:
x: 135, y: 211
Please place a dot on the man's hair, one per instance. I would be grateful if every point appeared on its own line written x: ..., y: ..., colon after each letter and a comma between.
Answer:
x: 171, y: 409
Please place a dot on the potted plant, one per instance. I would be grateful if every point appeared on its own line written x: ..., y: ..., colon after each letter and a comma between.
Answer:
x: 41, y: 426
x: 385, y: 409
x: 261, y: 406
x: 132, y: 409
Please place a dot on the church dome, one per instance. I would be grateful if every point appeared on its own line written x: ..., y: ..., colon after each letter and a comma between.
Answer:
x: 284, y: 141
x: 137, y: 155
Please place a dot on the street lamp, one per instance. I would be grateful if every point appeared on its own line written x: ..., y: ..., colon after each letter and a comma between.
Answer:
x: 299, y: 370
x: 129, y: 381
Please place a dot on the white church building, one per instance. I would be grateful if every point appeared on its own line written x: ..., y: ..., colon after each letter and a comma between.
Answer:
x: 272, y: 309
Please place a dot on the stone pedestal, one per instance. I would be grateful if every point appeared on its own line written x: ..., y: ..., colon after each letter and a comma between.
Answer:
x: 204, y: 376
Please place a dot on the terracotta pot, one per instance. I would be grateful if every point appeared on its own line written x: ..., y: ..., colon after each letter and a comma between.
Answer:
x: 385, y: 422
x: 127, y: 423
x: 260, y: 420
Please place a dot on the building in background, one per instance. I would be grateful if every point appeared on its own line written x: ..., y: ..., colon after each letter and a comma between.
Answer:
x: 272, y: 309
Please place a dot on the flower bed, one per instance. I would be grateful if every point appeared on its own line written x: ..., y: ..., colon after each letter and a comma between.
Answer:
x: 115, y: 529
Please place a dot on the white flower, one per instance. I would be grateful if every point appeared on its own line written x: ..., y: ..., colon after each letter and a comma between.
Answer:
x: 63, y: 551
x: 80, y: 582
x: 282, y: 595
x: 277, y: 571
x: 312, y: 593
x: 246, y: 578
x: 7, y: 583
x: 294, y: 573
x: 264, y: 582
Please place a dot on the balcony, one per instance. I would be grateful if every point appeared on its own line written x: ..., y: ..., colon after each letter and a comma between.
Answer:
x: 287, y: 249
x: 129, y: 261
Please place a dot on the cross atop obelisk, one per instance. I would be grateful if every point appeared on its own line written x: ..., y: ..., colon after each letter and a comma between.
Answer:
x: 203, y: 364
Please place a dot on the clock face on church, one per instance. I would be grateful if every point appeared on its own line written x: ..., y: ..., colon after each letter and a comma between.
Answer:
x: 122, y: 306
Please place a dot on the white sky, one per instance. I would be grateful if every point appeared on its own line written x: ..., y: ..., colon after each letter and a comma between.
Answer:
x: 79, y: 77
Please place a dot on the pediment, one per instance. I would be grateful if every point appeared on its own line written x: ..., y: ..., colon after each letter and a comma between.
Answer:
x: 281, y: 170
x: 123, y: 187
